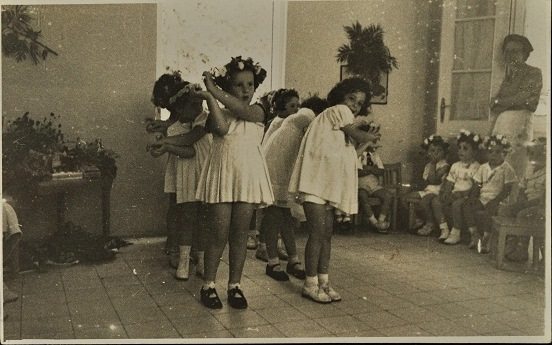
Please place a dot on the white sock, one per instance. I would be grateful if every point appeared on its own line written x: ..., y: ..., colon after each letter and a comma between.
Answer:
x: 381, y: 218
x: 373, y: 219
x: 200, y: 258
x: 311, y: 281
x: 262, y: 245
x: 208, y: 285
x: 293, y: 259
x: 443, y: 226
x: 184, y: 252
x: 233, y: 285
x: 273, y: 262
x: 323, y: 279
x: 472, y: 229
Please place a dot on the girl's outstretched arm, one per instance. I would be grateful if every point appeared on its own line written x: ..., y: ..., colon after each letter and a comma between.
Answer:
x: 251, y: 113
x: 216, y: 121
x: 180, y: 151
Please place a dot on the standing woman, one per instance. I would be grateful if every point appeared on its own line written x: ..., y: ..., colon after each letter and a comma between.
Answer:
x: 517, y: 99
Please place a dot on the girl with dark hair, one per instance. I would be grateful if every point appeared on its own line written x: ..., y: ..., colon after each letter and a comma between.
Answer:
x: 281, y: 152
x: 324, y: 177
x: 234, y: 180
x: 284, y: 103
x: 435, y: 172
x: 456, y: 188
x: 517, y: 99
x: 183, y: 168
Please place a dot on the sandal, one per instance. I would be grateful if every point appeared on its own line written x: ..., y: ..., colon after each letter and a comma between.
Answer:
x: 236, y: 299
x: 210, y: 298
x: 295, y: 270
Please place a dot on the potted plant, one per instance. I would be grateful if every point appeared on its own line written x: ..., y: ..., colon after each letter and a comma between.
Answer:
x: 366, y: 54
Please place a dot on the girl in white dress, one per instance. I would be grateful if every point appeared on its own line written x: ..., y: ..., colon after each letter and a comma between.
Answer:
x: 235, y: 178
x: 183, y: 169
x: 281, y: 152
x: 325, y: 177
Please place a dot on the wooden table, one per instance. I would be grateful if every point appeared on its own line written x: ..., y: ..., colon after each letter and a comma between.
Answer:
x: 61, y: 188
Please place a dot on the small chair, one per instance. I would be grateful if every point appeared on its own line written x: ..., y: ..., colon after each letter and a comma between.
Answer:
x: 505, y: 226
x: 392, y: 181
x: 412, y: 204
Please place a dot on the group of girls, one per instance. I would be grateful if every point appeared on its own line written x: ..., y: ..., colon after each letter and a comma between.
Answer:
x: 467, y: 194
x: 217, y: 173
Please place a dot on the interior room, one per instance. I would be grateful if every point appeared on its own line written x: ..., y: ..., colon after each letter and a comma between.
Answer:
x: 80, y: 178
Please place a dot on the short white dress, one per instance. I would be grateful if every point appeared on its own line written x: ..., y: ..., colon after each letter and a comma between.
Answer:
x: 275, y: 124
x: 281, y: 150
x: 432, y: 188
x: 182, y: 174
x: 235, y: 170
x: 326, y: 165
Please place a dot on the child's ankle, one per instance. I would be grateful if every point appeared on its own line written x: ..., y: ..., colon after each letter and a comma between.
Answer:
x: 208, y: 285
x: 373, y: 220
x: 311, y: 281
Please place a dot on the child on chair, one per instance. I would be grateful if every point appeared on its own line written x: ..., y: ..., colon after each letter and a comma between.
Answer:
x: 456, y: 188
x: 531, y: 199
x: 493, y: 183
x: 369, y: 186
x: 435, y: 172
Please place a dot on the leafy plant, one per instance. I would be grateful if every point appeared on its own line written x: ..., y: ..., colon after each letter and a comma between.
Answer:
x: 93, y: 153
x: 26, y: 147
x: 19, y: 39
x: 366, y: 55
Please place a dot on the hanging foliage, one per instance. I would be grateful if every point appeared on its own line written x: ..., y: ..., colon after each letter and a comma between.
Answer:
x: 366, y: 55
x: 19, y: 39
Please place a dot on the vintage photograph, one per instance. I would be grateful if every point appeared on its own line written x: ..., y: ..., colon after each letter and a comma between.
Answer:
x: 257, y: 171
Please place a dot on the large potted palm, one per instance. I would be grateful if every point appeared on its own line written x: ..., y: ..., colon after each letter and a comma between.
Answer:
x: 366, y: 55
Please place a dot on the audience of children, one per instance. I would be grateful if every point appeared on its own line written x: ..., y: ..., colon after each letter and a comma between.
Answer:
x: 493, y: 183
x: 327, y: 155
x: 530, y: 202
x: 456, y: 188
x: 235, y: 178
x: 435, y: 173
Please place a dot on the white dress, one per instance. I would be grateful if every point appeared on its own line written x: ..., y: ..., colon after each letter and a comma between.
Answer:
x: 432, y: 188
x: 235, y: 170
x: 326, y: 165
x: 182, y: 174
x: 274, y: 125
x: 281, y: 149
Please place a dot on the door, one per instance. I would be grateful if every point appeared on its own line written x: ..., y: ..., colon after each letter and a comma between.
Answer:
x: 471, y: 68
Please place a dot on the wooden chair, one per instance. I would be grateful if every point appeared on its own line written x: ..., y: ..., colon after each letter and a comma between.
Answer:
x: 505, y: 226
x: 392, y: 181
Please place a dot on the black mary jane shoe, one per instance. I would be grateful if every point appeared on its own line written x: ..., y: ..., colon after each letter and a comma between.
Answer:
x: 210, y: 298
x: 295, y: 271
x: 280, y: 276
x: 236, y: 299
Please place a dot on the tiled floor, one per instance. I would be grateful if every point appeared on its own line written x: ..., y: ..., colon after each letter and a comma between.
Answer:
x: 395, y: 285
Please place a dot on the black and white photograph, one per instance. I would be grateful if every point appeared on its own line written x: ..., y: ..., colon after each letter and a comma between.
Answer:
x: 261, y: 171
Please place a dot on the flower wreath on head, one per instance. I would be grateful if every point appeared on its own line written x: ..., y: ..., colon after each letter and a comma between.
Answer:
x: 468, y: 136
x: 435, y: 139
x: 494, y: 140
x: 237, y: 64
x: 184, y: 92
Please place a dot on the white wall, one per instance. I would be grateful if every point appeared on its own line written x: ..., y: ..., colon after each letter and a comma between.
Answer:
x: 194, y: 36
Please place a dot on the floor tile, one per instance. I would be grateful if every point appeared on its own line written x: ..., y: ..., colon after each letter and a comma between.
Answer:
x: 210, y: 334
x: 446, y: 328
x: 405, y: 331
x: 342, y: 324
x: 265, y: 331
x: 39, y: 326
x: 482, y: 306
x: 113, y: 331
x: 302, y: 329
x: 381, y: 319
x: 185, y: 310
x: 154, y: 329
x: 196, y: 325
x: 130, y: 315
x: 240, y: 319
x: 415, y: 315
x: 274, y: 315
x: 316, y: 310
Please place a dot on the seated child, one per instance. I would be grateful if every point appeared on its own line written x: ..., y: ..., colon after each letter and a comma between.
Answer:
x: 530, y: 203
x: 456, y: 188
x: 434, y: 174
x: 493, y: 182
x: 369, y: 186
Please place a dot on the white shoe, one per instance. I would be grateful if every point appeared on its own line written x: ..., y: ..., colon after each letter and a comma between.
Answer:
x: 335, y: 297
x: 316, y: 294
x: 444, y: 234
x: 454, y: 237
x: 251, y: 242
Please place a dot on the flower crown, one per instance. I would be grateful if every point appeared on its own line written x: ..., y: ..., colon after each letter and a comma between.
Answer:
x: 494, y: 140
x: 468, y: 136
x: 237, y: 64
x: 184, y: 92
x: 435, y: 140
x: 370, y: 127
